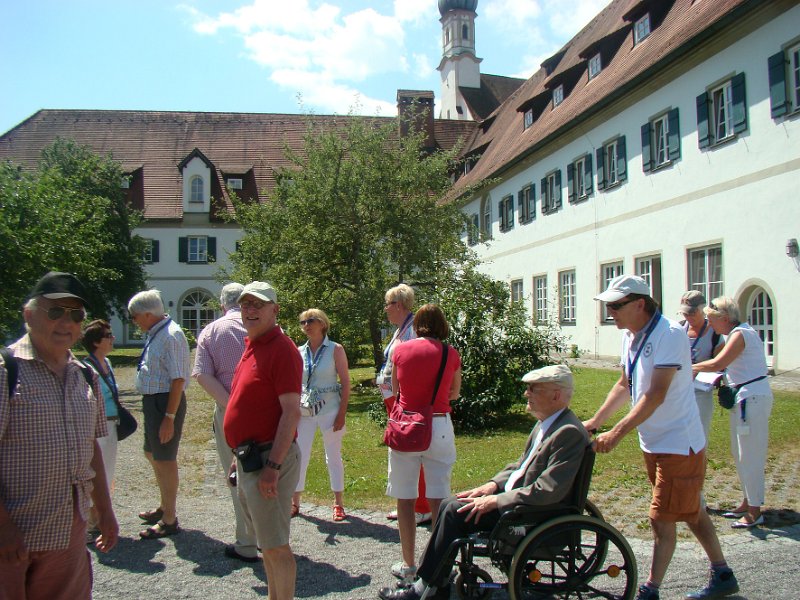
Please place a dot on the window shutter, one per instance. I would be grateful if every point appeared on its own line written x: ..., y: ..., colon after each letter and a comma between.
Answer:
x: 647, y: 156
x: 703, y: 131
x: 183, y: 249
x: 211, y: 253
x: 154, y: 250
x: 532, y: 202
x: 601, y: 168
x: 739, y: 103
x: 510, y: 209
x: 520, y: 208
x: 587, y: 173
x: 571, y: 182
x: 778, y: 99
x: 557, y: 199
x: 545, y: 199
x: 622, y: 159
x: 674, y: 134
x: 502, y: 215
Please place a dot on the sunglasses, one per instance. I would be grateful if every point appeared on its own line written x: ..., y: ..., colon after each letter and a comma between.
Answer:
x: 257, y: 304
x: 108, y: 336
x: 305, y: 322
x: 388, y: 304
x: 618, y: 305
x: 54, y: 313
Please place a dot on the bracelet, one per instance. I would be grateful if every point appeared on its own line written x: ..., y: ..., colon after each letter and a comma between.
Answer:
x: 272, y: 465
x: 170, y: 415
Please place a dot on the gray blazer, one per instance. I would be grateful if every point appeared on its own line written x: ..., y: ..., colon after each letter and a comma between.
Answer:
x: 549, y: 476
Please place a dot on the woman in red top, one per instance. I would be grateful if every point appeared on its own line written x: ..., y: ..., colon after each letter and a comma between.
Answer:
x: 416, y: 364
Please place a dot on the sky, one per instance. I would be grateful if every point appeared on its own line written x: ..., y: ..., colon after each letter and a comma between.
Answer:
x: 276, y: 56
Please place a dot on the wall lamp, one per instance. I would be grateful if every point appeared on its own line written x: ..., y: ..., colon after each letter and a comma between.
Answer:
x: 793, y: 252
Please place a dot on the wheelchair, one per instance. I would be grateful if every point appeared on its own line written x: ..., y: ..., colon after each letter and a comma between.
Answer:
x: 560, y: 551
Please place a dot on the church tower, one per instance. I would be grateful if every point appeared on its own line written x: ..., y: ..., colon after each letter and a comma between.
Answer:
x: 459, y: 66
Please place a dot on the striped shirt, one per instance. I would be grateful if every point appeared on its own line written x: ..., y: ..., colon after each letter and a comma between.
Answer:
x: 219, y: 348
x: 166, y: 357
x: 47, y: 433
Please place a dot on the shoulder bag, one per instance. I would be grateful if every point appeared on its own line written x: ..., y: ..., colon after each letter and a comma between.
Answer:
x: 410, y: 431
x: 127, y: 422
x: 726, y: 394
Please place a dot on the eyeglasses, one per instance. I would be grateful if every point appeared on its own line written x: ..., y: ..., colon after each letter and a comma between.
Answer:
x: 108, y: 335
x: 257, y: 304
x: 305, y: 322
x: 54, y: 313
x: 617, y: 305
x: 388, y: 304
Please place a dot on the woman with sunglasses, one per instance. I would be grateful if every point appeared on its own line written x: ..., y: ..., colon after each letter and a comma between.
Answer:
x: 323, y: 404
x: 99, y: 341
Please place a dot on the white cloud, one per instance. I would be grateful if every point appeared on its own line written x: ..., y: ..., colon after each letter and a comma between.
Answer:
x: 415, y: 11
x: 330, y: 96
x: 422, y: 65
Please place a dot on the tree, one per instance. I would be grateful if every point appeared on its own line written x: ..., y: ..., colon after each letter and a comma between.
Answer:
x: 68, y: 215
x: 355, y: 214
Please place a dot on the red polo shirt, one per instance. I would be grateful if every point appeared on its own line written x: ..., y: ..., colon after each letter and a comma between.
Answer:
x: 270, y: 366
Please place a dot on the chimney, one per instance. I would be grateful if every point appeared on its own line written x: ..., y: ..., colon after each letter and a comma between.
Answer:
x: 415, y: 109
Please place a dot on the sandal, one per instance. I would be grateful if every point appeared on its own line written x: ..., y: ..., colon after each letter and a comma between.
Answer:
x: 160, y: 530
x: 338, y: 513
x: 151, y: 517
x: 295, y: 510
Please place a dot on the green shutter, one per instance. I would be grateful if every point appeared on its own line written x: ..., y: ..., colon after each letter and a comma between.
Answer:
x: 622, y: 159
x: 647, y: 155
x: 703, y: 130
x: 674, y: 134
x: 739, y: 103
x: 587, y: 172
x: 571, y: 182
x: 778, y: 98
x: 183, y: 249
x: 154, y: 250
x: 211, y: 250
x: 601, y: 168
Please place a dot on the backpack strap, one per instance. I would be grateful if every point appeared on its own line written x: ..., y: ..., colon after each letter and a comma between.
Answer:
x: 714, y: 340
x: 11, y: 368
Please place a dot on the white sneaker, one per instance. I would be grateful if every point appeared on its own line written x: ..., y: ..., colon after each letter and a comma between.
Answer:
x: 403, y: 572
x: 422, y: 518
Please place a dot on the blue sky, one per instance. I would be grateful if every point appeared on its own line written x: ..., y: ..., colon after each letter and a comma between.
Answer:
x: 280, y: 56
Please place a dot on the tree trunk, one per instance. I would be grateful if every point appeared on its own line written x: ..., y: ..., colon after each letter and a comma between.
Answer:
x: 375, y: 337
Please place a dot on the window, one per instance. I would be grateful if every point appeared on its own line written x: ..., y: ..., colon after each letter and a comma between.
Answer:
x: 607, y: 273
x: 473, y: 229
x: 762, y: 320
x: 465, y: 32
x: 551, y: 192
x: 705, y: 271
x: 612, y: 164
x: 540, y: 298
x: 197, y: 311
x: 197, y: 249
x: 486, y: 218
x: 150, y: 251
x: 661, y: 141
x: 649, y: 269
x: 567, y: 297
x: 526, y: 200
x: 516, y: 291
x: 784, y: 82
x: 506, y: 212
x: 234, y: 183
x: 595, y: 66
x: 196, y: 189
x: 528, y: 118
x: 641, y: 29
x: 558, y: 95
x: 721, y: 112
x: 579, y: 178
x: 125, y: 182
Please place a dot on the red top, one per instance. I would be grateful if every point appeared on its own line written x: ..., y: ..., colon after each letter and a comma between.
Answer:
x: 417, y: 363
x: 270, y: 366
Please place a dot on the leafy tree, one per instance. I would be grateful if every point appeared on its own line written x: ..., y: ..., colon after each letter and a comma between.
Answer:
x: 355, y: 214
x: 68, y: 215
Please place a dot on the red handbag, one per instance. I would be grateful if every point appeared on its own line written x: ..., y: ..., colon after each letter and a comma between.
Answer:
x: 411, y: 431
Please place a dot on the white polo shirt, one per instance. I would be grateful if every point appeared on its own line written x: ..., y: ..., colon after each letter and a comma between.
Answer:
x: 674, y: 427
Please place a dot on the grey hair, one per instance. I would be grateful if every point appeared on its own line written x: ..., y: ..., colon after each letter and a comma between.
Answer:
x: 148, y: 301
x: 724, y: 306
x: 229, y: 295
x: 402, y: 293
x: 30, y: 304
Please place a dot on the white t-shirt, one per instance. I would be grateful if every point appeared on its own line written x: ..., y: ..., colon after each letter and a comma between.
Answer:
x: 674, y: 427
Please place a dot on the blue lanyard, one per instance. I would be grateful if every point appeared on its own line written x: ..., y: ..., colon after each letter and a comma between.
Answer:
x: 632, y: 365
x: 396, y: 335
x: 150, y: 337
x: 312, y: 365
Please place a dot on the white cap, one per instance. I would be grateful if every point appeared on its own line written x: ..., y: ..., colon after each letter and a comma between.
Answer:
x: 559, y: 374
x: 622, y: 286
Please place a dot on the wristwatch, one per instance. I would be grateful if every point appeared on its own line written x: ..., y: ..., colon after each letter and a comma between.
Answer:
x: 272, y: 465
x: 170, y: 415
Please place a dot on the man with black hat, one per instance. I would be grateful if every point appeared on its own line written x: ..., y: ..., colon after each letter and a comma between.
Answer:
x: 542, y: 476
x: 50, y: 461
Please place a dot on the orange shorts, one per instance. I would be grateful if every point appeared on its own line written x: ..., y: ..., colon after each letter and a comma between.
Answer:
x: 677, y: 482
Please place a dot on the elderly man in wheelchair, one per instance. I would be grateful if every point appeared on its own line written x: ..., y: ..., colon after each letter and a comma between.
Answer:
x: 533, y: 512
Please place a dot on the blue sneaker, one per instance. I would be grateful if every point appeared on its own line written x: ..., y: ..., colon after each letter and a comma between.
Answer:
x: 645, y: 593
x: 720, y: 584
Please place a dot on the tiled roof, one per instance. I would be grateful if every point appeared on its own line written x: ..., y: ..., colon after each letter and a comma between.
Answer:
x: 494, y: 90
x: 679, y: 24
x: 157, y: 143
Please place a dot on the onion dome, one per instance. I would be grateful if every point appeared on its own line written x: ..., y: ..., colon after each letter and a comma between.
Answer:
x: 447, y: 5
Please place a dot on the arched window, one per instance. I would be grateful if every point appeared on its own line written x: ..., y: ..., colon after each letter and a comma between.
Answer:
x: 447, y: 36
x: 196, y: 189
x: 761, y: 319
x: 465, y: 32
x: 197, y: 311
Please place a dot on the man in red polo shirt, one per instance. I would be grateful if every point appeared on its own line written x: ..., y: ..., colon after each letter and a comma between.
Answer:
x: 260, y: 424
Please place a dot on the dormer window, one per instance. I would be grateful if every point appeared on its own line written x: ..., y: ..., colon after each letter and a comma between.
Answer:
x: 234, y: 183
x: 125, y: 182
x: 196, y: 187
x: 558, y: 95
x: 528, y: 118
x: 641, y: 28
x: 595, y: 66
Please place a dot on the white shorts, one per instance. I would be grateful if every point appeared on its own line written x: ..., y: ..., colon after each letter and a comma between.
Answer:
x: 438, y: 461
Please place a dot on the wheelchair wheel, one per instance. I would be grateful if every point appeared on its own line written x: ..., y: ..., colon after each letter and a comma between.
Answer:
x: 592, y: 510
x: 467, y: 588
x: 573, y: 557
